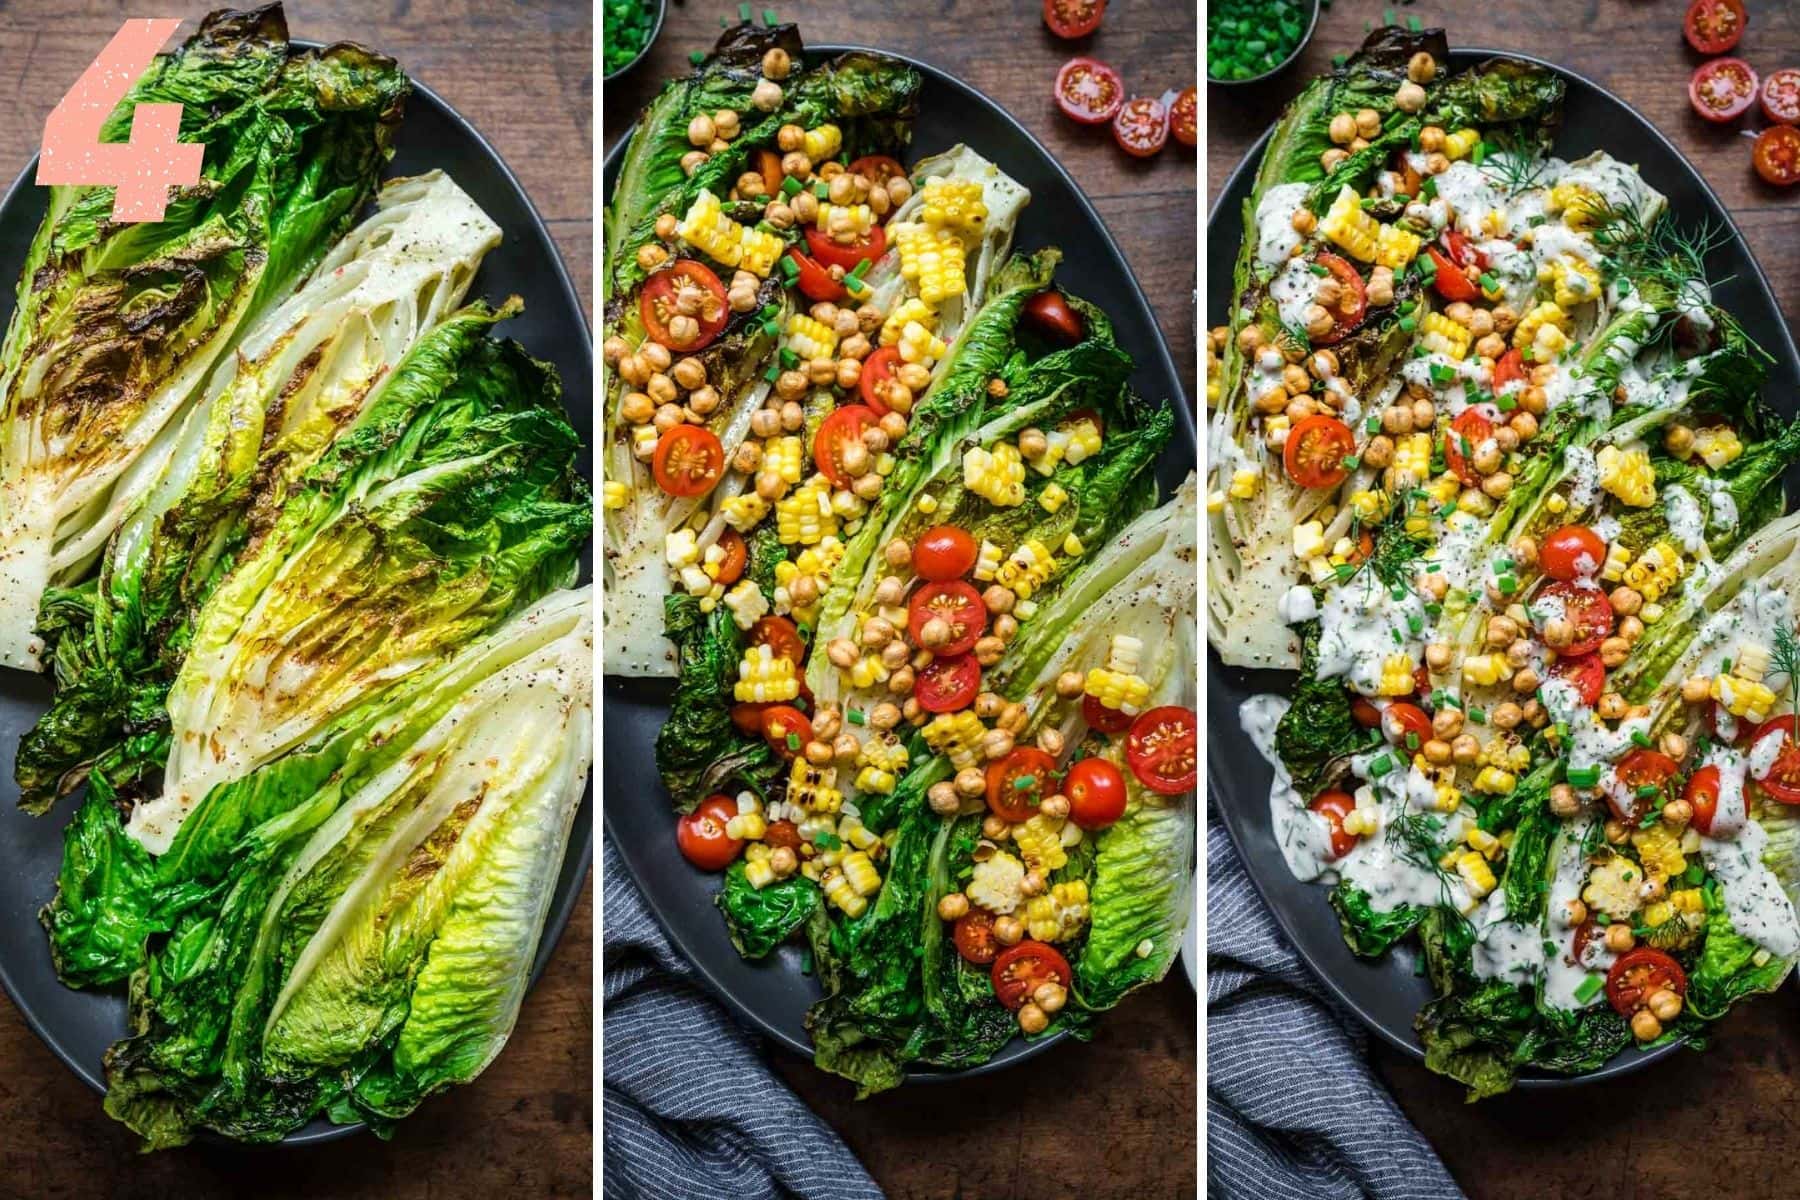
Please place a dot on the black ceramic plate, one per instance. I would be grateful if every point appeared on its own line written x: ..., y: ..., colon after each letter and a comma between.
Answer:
x: 79, y: 1026
x: 775, y: 993
x: 1386, y: 993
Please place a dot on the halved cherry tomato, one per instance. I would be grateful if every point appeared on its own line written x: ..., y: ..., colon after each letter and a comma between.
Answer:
x: 656, y: 304
x: 701, y: 834
x: 1315, y: 450
x: 1102, y: 718
x: 1572, y: 552
x: 731, y: 567
x: 782, y: 833
x: 1462, y: 251
x: 1022, y: 970
x: 1640, y: 769
x: 877, y: 370
x: 1400, y: 719
x: 1366, y: 714
x: 1638, y: 974
x: 768, y: 165
x: 845, y: 425
x: 1096, y: 792
x: 1334, y: 807
x: 877, y: 168
x: 1141, y: 126
x: 1714, y: 26
x: 944, y: 552
x: 1588, y: 610
x: 815, y: 281
x: 836, y: 254
x: 1089, y: 91
x: 1781, y: 96
x: 1184, y: 117
x: 1702, y: 795
x: 786, y: 729
x: 1353, y: 299
x: 689, y: 461
x: 781, y: 636
x: 1723, y: 89
x: 1422, y: 684
x: 973, y: 934
x: 959, y: 605
x: 1449, y: 280
x: 1018, y: 783
x: 1584, y: 672
x: 1051, y: 315
x: 747, y: 715
x: 1777, y: 155
x: 1163, y: 749
x: 948, y: 684
x: 1783, y: 780
x: 1073, y: 18
x: 1469, y: 428
x: 1510, y: 368
x: 1585, y: 932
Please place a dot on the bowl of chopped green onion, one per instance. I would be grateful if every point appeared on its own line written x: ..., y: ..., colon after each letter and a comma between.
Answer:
x: 1247, y: 41
x: 628, y: 29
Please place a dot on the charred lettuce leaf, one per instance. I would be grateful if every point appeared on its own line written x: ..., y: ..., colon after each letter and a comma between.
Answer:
x: 760, y: 919
x: 698, y: 750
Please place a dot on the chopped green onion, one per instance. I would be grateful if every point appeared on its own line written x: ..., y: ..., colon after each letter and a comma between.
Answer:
x: 1025, y: 783
x: 1589, y: 987
x: 1381, y: 766
x: 1584, y: 777
x: 1640, y: 738
x: 790, y: 186
x: 855, y: 715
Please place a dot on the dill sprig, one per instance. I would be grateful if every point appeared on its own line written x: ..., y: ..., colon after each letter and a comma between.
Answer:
x: 1662, y: 250
x: 1514, y: 169
x: 1414, y: 836
x: 1785, y: 658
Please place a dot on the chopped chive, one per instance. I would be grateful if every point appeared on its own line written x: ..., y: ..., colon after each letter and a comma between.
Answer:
x: 1408, y: 324
x: 1640, y: 738
x: 1645, y: 791
x: 1373, y: 424
x: 1412, y: 740
x: 1413, y: 23
x: 1589, y: 987
x: 1488, y: 283
x: 860, y: 269
x: 793, y: 741
x: 1338, y: 60
x: 773, y: 373
x: 1025, y: 783
x: 790, y: 186
x: 855, y: 715
x: 1505, y: 403
x: 743, y: 12
x: 1584, y: 777
x: 821, y: 191
x: 769, y: 18
x: 1415, y: 622
x: 1344, y: 571
x: 1381, y: 766
x: 1508, y: 585
x: 1352, y: 461
x: 1478, y: 715
x: 1429, y: 190
x: 772, y: 327
x: 697, y: 57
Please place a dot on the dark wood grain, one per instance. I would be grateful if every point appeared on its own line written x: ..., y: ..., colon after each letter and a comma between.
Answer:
x: 522, y: 75
x: 1724, y: 1118
x: 1108, y: 1120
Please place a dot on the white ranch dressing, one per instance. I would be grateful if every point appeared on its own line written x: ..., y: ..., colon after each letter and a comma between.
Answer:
x: 1505, y: 949
x: 1361, y: 624
x: 1563, y: 973
x: 1303, y: 835
x: 1687, y: 524
x: 1764, y: 752
x: 1754, y: 900
x: 1731, y: 809
x: 1276, y: 238
x: 1293, y: 290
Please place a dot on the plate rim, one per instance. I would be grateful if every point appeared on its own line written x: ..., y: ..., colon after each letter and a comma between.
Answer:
x: 1620, y: 1064
x: 1186, y: 427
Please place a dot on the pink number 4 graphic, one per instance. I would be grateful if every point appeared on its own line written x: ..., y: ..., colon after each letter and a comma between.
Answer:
x: 141, y: 170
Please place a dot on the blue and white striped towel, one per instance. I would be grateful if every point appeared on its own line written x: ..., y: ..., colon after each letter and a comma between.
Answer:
x: 691, y: 1111
x: 1293, y: 1110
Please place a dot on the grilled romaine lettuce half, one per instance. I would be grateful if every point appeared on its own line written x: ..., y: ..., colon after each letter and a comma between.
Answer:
x: 302, y: 374
x: 454, y: 503
x: 350, y: 927
x: 116, y: 326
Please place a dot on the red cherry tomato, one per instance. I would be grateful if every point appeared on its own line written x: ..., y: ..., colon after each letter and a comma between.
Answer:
x: 731, y: 568
x: 782, y: 833
x: 944, y: 552
x: 1783, y: 780
x: 1585, y: 673
x: 1141, y: 126
x: 1642, y: 769
x: 1572, y: 552
x: 1714, y: 26
x: 1639, y: 974
x: 1018, y: 783
x: 835, y: 254
x: 948, y: 684
x: 878, y: 370
x: 1315, y: 450
x: 1366, y: 714
x: 1702, y: 795
x: 1449, y: 280
x: 1020, y: 971
x: 1469, y: 428
x: 1781, y: 96
x: 1723, y: 89
x: 1096, y: 792
x: 781, y: 636
x: 786, y: 729
x: 1509, y: 369
x: 846, y: 424
x: 1089, y: 91
x: 973, y: 934
x: 877, y: 168
x: 1163, y: 749
x: 1184, y: 117
x: 747, y: 716
x: 1401, y: 719
x: 1334, y: 807
x: 689, y: 461
x: 1462, y: 251
x: 815, y: 281
x: 701, y: 834
x: 656, y: 304
x: 1353, y: 299
x: 1073, y: 18
x: 959, y: 605
x: 1050, y: 315
x: 1777, y: 155
x: 1102, y: 718
x: 1588, y: 610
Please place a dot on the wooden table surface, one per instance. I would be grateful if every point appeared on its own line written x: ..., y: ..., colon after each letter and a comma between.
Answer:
x: 523, y: 75
x: 1108, y: 1120
x: 1731, y: 1113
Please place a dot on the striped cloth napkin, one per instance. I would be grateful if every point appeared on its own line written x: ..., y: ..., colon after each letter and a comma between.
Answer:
x: 1293, y: 1110
x: 691, y: 1111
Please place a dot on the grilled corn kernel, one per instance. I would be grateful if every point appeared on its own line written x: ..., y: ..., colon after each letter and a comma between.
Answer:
x: 997, y: 476
x: 615, y: 495
x: 1039, y: 841
x: 805, y: 516
x: 1396, y: 676
x: 1347, y: 226
x: 814, y: 788
x: 987, y: 561
x: 1618, y: 558
x: 764, y: 676
x: 1124, y: 693
x: 1581, y: 207
x: 1659, y: 850
x: 1244, y: 481
x: 1574, y: 281
x: 1717, y: 445
x: 1628, y: 475
x: 1544, y: 314
x: 1026, y: 569
x: 1052, y: 497
x: 957, y: 736
x: 1460, y: 144
x: 1476, y: 875
x: 1395, y: 247
x: 1741, y: 698
x: 954, y: 203
x: 823, y: 142
x: 1440, y: 335
x: 809, y: 338
x: 906, y: 312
